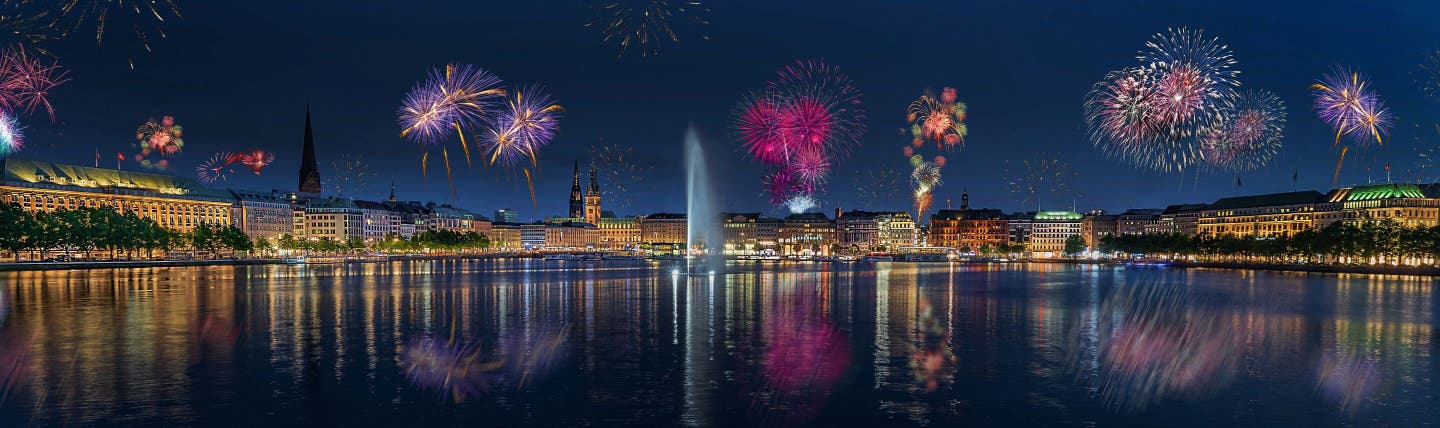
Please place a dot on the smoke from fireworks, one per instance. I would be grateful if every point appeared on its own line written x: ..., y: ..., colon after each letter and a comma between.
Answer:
x: 157, y: 140
x: 12, y: 135
x: 1345, y: 100
x: 1031, y: 180
x: 1154, y: 115
x: 1247, y: 134
x: 349, y: 175
x: 620, y: 170
x: 647, y: 24
x: 452, y: 100
x: 801, y: 203
x: 26, y: 82
x: 803, y: 122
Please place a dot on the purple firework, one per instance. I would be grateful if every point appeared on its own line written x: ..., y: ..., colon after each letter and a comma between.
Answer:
x: 452, y: 99
x: 1345, y: 100
x: 447, y: 367
x: 1248, y: 133
x: 516, y: 132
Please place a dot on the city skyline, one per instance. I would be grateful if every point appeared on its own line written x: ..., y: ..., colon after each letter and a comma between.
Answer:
x: 1019, y: 104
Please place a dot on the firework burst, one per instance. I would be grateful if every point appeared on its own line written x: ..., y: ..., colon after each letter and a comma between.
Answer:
x: 452, y: 100
x: 255, y: 160
x: 1154, y: 116
x: 528, y: 120
x: 801, y: 203
x: 1427, y: 160
x: 1346, y: 101
x: 1031, y: 180
x: 449, y: 368
x: 940, y: 119
x: 349, y: 175
x: 803, y: 122
x: 26, y: 82
x: 12, y: 135
x: 1429, y: 76
x: 144, y: 19
x: 877, y: 185
x: 1248, y: 133
x: 157, y: 140
x: 621, y: 170
x: 217, y: 168
x: 647, y: 24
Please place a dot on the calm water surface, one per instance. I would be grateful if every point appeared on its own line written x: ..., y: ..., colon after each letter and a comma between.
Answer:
x: 505, y: 343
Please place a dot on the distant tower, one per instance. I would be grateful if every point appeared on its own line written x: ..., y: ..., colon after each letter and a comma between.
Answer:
x: 392, y: 191
x: 592, y: 199
x: 309, y: 167
x: 964, y: 200
x: 577, y: 205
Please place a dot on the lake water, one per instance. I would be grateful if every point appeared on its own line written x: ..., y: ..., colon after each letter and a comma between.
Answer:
x: 503, y: 343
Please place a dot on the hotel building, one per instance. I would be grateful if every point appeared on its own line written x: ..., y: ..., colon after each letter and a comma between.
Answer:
x: 175, y: 203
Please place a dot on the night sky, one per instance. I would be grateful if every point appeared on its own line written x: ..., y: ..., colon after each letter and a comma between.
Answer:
x: 238, y: 74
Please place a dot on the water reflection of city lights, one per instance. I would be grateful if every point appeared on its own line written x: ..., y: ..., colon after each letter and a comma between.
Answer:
x: 1346, y: 381
x: 804, y: 357
x: 14, y: 362
x: 932, y: 360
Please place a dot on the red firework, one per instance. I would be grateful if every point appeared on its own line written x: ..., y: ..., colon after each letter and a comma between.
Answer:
x: 257, y: 160
x: 800, y: 124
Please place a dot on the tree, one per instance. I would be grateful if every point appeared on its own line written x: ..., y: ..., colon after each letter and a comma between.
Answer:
x: 1074, y: 245
x: 19, y: 225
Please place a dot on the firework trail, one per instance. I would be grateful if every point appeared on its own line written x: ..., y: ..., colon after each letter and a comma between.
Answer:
x: 803, y: 122
x: 157, y: 140
x: 1247, y: 134
x: 217, y: 168
x: 647, y: 24
x: 1031, y: 180
x: 349, y: 175
x: 26, y: 82
x: 1427, y: 170
x: 1153, y: 116
x: 27, y: 26
x: 621, y: 170
x: 452, y: 100
x: 12, y: 135
x: 143, y: 18
x: 1345, y: 100
x: 1428, y: 77
x: 940, y: 119
x: 528, y: 120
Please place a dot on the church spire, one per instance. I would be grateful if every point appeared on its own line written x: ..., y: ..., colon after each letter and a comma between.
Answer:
x: 309, y: 166
x: 577, y: 204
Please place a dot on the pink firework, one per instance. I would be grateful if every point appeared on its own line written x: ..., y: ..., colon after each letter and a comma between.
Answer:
x: 256, y: 160
x: 217, y: 168
x: 26, y: 82
x: 810, y: 165
x: 802, y: 122
x: 761, y: 126
x: 1180, y: 96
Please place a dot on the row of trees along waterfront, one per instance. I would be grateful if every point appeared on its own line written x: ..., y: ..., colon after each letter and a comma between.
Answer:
x: 114, y: 234
x: 1373, y: 242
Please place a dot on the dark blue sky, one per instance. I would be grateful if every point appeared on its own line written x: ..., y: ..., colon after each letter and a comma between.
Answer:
x: 239, y: 74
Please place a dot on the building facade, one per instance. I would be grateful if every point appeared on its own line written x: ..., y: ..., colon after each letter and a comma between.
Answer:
x: 174, y: 203
x: 1144, y: 221
x: 1261, y: 216
x: 808, y: 234
x: 663, y: 232
x: 619, y: 233
x: 268, y: 215
x: 1049, y: 230
x: 1097, y: 225
x: 968, y: 230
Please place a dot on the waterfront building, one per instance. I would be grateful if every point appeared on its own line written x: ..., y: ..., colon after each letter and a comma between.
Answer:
x: 663, y: 232
x: 1406, y: 204
x: 966, y: 229
x: 532, y: 236
x: 1262, y: 216
x: 448, y: 217
x: 896, y: 230
x: 1139, y: 221
x: 1097, y: 225
x: 571, y: 236
x: 619, y: 233
x: 175, y: 203
x: 1182, y: 219
x: 268, y: 215
x: 506, y: 215
x: 1049, y: 230
x: 1019, y: 225
x: 505, y: 236
x: 342, y: 219
x: 749, y: 233
x: 875, y: 231
x: 806, y: 234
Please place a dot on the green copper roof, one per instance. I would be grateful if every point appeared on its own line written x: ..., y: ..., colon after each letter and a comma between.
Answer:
x: 1378, y: 191
x: 1058, y: 215
x: 84, y: 177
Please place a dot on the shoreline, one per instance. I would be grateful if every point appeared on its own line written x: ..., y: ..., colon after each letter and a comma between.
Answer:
x: 1273, y: 267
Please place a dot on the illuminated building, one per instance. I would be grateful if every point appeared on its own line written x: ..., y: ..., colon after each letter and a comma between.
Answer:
x: 1019, y: 225
x: 808, y: 234
x: 174, y: 203
x: 1183, y: 219
x: 619, y: 233
x: 532, y: 236
x: 1049, y: 230
x: 1406, y: 204
x: 875, y: 231
x: 571, y: 236
x: 1097, y: 225
x: 1139, y: 222
x: 968, y: 230
x: 506, y: 215
x: 663, y: 232
x: 1263, y: 216
x: 749, y: 233
x: 505, y: 236
x: 267, y: 215
x: 592, y: 199
x: 341, y: 219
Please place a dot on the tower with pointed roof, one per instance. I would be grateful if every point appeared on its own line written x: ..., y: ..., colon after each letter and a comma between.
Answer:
x: 577, y: 204
x: 309, y: 166
x: 592, y: 198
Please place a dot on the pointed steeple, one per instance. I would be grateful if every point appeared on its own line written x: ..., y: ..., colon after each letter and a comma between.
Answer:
x: 594, y: 183
x: 577, y: 204
x: 392, y: 191
x: 309, y: 166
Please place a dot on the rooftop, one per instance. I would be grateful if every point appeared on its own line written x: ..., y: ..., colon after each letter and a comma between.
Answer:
x: 1376, y: 191
x: 1268, y: 200
x: 976, y: 214
x: 84, y: 177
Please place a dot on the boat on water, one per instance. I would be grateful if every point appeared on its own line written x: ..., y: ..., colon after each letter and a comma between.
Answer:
x: 293, y: 260
x: 877, y: 258
x: 622, y: 257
